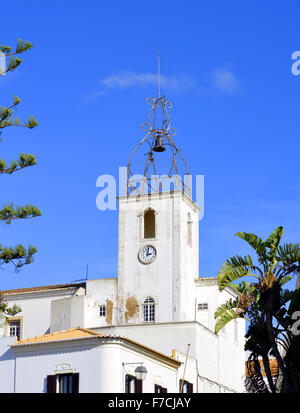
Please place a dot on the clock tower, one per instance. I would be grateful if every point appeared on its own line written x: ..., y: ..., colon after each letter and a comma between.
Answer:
x: 158, y: 231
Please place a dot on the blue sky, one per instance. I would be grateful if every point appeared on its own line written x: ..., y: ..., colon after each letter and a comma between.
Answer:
x: 226, y: 66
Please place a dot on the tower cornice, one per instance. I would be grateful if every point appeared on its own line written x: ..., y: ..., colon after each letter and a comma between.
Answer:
x: 160, y: 195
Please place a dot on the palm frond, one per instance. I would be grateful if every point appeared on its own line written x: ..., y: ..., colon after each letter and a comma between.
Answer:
x: 225, y: 318
x: 285, y: 279
x: 289, y: 254
x: 233, y: 269
x: 257, y: 243
x: 230, y: 304
x: 273, y: 242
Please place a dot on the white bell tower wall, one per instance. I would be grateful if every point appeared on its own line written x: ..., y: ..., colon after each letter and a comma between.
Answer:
x: 169, y: 278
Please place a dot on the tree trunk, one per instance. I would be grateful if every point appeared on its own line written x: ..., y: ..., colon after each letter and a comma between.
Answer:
x: 276, y: 353
x: 266, y: 363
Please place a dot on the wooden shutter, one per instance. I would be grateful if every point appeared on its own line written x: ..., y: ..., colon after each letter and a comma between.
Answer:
x: 139, y: 386
x: 159, y: 389
x: 75, y: 383
x: 51, y: 384
x: 189, y: 386
x: 126, y: 383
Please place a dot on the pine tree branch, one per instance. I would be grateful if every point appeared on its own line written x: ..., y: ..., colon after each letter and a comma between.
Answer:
x: 24, y: 161
x: 9, y: 213
x: 22, y: 46
x: 18, y: 256
x: 8, y: 311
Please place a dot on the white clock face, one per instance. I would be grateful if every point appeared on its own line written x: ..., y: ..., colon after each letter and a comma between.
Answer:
x: 147, y: 254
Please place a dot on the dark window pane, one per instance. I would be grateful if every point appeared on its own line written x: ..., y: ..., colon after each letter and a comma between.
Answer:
x: 149, y: 224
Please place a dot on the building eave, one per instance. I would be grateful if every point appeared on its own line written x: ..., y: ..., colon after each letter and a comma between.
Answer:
x: 94, y: 338
x: 43, y: 289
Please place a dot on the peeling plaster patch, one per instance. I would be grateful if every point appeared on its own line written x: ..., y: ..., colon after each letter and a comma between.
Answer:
x: 109, y: 311
x: 131, y: 307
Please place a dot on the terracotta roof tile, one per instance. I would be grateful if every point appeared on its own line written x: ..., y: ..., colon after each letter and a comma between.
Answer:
x: 273, y: 367
x: 69, y: 334
x: 82, y: 333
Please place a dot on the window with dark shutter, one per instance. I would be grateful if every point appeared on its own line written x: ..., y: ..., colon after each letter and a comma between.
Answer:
x: 159, y: 389
x: 51, y: 384
x: 65, y: 383
x: 185, y: 387
x: 139, y: 386
x: 75, y: 384
x: 132, y: 385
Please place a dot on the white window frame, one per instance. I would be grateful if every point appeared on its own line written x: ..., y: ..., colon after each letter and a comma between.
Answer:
x: 202, y: 306
x: 8, y: 327
x: 102, y: 310
x: 149, y: 310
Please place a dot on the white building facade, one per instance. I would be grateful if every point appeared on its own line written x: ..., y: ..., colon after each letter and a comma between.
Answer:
x: 158, y: 298
x: 160, y: 304
x: 82, y: 361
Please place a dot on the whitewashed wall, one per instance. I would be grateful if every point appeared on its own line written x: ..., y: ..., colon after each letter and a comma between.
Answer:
x: 99, y: 366
x: 219, y: 359
x: 169, y: 279
x: 7, y: 365
x: 36, y: 310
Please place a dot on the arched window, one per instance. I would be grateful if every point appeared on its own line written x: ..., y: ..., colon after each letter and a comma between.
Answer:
x: 149, y: 223
x: 149, y: 309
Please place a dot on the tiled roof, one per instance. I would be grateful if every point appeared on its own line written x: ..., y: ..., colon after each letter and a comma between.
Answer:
x: 78, y: 333
x: 43, y: 288
x: 69, y: 334
x: 273, y: 367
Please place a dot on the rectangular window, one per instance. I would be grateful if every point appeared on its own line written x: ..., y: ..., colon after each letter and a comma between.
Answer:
x: 159, y: 389
x: 102, y: 310
x: 149, y: 311
x: 14, y: 328
x: 185, y: 387
x: 132, y: 385
x: 65, y: 382
x: 202, y: 306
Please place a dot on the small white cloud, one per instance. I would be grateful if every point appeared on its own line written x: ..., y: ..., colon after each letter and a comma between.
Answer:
x: 124, y: 80
x: 225, y: 81
x: 130, y: 79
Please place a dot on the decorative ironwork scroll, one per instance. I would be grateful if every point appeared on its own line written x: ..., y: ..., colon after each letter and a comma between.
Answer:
x: 158, y: 141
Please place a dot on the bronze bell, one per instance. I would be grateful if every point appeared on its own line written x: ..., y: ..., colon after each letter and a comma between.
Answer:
x: 158, y: 147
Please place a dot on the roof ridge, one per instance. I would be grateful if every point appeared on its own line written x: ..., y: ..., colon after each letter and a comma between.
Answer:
x: 39, y: 340
x: 42, y: 288
x: 87, y: 330
x: 47, y: 334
